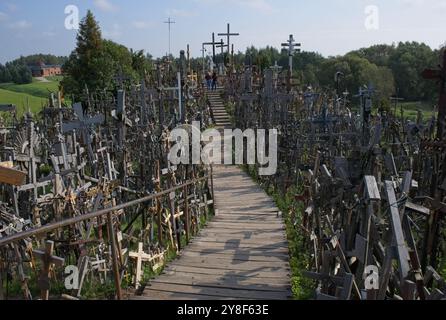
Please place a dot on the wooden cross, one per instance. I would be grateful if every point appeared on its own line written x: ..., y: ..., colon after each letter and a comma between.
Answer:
x: 439, y: 75
x: 213, y: 44
x: 228, y: 34
x: 46, y: 255
x: 140, y: 256
x: 221, y: 45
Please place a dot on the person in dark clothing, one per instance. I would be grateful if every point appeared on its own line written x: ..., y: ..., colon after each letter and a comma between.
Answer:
x: 208, y: 80
x: 214, y: 81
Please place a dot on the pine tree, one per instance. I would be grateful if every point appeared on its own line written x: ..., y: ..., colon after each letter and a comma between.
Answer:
x: 87, y: 62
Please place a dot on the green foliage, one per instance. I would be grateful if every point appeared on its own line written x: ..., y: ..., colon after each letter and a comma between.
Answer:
x: 357, y: 72
x: 407, y: 63
x: 96, y: 62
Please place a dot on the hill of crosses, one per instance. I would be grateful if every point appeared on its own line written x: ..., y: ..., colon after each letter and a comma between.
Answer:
x: 270, y: 174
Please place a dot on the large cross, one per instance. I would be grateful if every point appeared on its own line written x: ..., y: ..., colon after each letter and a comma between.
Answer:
x: 83, y: 124
x: 440, y: 75
x: 169, y: 22
x: 228, y: 34
x: 46, y: 255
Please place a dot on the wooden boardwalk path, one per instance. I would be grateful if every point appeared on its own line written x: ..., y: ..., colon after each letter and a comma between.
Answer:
x: 241, y: 254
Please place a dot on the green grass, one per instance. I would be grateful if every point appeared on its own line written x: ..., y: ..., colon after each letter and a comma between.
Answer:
x: 410, y: 110
x: 22, y: 100
x: 35, y: 94
x: 36, y: 88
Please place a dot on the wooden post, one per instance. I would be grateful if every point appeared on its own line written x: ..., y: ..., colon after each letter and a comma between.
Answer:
x: 186, y: 213
x: 212, y: 186
x: 111, y: 234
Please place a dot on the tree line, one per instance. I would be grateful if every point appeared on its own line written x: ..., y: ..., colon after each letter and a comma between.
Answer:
x: 390, y: 69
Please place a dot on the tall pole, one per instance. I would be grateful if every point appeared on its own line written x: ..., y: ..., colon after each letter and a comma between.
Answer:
x: 213, y: 46
x: 169, y: 22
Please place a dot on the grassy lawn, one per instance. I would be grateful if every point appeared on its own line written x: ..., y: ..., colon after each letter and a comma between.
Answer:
x: 411, y: 110
x: 36, y: 88
x: 21, y: 101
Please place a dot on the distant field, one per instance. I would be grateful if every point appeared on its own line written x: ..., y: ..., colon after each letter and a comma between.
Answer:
x: 35, y: 94
x: 411, y: 110
x: 22, y: 100
x: 36, y: 88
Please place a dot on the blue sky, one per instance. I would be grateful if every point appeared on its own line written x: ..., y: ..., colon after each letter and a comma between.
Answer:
x: 330, y: 27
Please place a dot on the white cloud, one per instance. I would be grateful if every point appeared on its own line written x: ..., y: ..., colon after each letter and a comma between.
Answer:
x: 105, y: 5
x: 142, y: 25
x: 20, y: 25
x: 181, y: 13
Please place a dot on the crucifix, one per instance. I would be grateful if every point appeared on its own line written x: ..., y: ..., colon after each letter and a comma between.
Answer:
x: 46, y: 255
x: 221, y: 45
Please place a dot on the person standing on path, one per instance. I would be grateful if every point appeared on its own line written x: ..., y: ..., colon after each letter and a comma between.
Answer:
x: 214, y: 81
x: 208, y: 78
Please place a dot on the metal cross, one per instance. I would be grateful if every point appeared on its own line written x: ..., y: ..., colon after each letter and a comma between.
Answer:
x: 169, y: 22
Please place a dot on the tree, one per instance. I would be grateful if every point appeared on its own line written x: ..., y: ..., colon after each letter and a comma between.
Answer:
x: 87, y: 64
x: 407, y: 63
x: 357, y: 72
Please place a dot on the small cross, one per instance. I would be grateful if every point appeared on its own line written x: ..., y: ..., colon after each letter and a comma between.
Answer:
x: 140, y: 256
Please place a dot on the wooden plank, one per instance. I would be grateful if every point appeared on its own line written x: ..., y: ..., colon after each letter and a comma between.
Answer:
x: 12, y: 177
x: 150, y: 294
x: 237, y: 245
x: 401, y: 248
x: 240, y: 226
x: 244, y: 256
x: 227, y: 282
x: 230, y: 277
x: 227, y: 264
x: 218, y: 292
x: 257, y: 274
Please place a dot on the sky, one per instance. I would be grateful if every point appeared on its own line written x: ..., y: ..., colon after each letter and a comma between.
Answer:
x: 330, y: 27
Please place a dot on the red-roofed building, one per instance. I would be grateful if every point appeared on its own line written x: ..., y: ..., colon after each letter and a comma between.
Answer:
x: 43, y: 70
